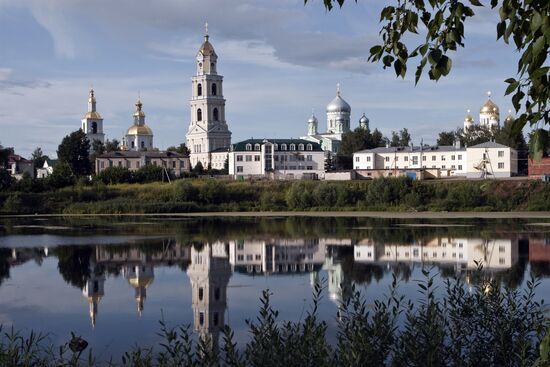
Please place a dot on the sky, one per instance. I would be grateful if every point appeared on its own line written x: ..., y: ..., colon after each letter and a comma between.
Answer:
x: 280, y: 60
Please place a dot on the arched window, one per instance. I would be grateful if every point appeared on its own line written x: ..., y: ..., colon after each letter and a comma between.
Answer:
x: 201, y: 294
x: 215, y: 113
x: 199, y: 89
x: 214, y: 89
x: 199, y: 115
x: 256, y: 146
x: 94, y: 127
x: 133, y: 145
x: 248, y: 146
x: 276, y: 146
x: 283, y: 146
x: 301, y: 147
x: 217, y: 293
x: 143, y: 144
x: 292, y: 147
x: 309, y: 147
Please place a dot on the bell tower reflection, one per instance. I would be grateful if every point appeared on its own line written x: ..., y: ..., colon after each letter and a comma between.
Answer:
x: 139, y: 276
x: 94, y: 290
x: 209, y: 273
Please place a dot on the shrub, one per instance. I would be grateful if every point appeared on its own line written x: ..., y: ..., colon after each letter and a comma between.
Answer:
x: 115, y: 175
x: 185, y: 191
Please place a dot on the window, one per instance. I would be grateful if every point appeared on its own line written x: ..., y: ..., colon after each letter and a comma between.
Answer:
x: 199, y: 89
x: 501, y: 249
x: 460, y: 156
x: 443, y: 167
x: 173, y: 164
x: 216, y: 319
x: 460, y: 167
x: 217, y: 293
x: 283, y: 146
x: 423, y: 157
x: 501, y: 153
x: 142, y: 144
x: 452, y: 158
x: 292, y: 147
x: 276, y: 146
x: 201, y: 318
x: 406, y: 159
x: 256, y: 146
x: 433, y: 157
x: 94, y: 129
x: 239, y: 158
x: 501, y: 165
x: 215, y: 114
x: 256, y: 158
x: 397, y: 159
x: 309, y: 158
x: 387, y: 159
x: 301, y: 147
x: 239, y: 169
x: 201, y: 293
x: 248, y: 146
x: 133, y: 145
x: 199, y: 115
x: 368, y: 158
x: 249, y: 158
x: 214, y: 89
x: 442, y: 157
x: 309, y: 168
x: 357, y: 159
x: 309, y: 147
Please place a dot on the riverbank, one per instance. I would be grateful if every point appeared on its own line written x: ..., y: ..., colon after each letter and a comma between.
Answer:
x: 324, y: 214
x: 392, y: 195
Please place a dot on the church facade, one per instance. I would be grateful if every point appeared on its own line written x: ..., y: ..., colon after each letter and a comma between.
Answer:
x: 208, y: 136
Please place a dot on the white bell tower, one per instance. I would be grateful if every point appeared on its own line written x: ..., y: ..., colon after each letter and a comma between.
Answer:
x: 92, y: 122
x: 208, y: 130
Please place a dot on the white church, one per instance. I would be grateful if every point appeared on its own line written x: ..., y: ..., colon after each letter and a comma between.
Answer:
x: 489, y: 116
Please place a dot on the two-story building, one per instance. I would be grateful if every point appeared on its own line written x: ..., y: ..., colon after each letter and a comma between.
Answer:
x: 175, y: 163
x: 277, y: 159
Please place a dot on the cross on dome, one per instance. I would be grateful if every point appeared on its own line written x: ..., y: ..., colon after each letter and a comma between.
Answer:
x: 338, y: 88
x: 489, y: 94
x: 206, y: 30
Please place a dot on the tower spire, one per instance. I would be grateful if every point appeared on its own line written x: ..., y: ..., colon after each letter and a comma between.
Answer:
x: 206, y: 31
x: 338, y: 88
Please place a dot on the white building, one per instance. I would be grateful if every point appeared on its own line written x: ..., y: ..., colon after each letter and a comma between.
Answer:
x: 280, y: 158
x: 462, y: 252
x: 208, y: 136
x: 451, y: 158
x: 46, y: 169
x: 479, y: 161
x: 338, y: 122
x: 491, y: 159
x: 92, y: 122
x: 139, y: 136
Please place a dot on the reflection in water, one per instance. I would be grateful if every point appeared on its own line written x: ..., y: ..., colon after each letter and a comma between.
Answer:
x: 210, y: 265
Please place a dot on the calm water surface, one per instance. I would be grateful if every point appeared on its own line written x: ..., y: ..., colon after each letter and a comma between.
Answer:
x: 112, y: 280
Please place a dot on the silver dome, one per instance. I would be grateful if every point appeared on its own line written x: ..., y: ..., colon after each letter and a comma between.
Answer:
x: 312, y: 119
x: 338, y: 105
x: 363, y: 119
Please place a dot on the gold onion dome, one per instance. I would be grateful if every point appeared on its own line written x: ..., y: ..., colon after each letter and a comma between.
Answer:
x: 468, y: 117
x: 93, y: 115
x: 489, y: 107
x: 141, y: 281
x: 509, y: 118
x: 139, y: 130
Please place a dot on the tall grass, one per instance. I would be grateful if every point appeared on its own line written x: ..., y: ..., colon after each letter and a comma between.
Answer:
x: 460, y: 325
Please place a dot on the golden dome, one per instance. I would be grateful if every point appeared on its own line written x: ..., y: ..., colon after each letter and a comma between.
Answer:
x: 207, y: 49
x: 468, y: 117
x: 139, y: 130
x: 93, y: 115
x: 489, y: 107
x: 138, y: 282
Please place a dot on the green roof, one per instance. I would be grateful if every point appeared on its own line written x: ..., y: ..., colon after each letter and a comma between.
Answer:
x: 241, y: 146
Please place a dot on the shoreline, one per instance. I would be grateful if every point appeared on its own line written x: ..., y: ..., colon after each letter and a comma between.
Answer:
x: 320, y: 214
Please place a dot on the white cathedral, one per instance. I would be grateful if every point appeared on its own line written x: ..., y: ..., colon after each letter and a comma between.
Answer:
x: 489, y: 116
x: 338, y: 122
x: 208, y: 136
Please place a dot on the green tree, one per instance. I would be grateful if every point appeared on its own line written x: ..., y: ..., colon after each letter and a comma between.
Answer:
x: 74, y: 150
x: 401, y: 139
x: 181, y: 149
x: 354, y: 141
x: 38, y: 158
x: 446, y: 138
x: 112, y: 146
x: 62, y: 176
x: 538, y: 144
x: 438, y: 27
x: 4, y: 155
x: 198, y: 169
x: 6, y: 181
x: 115, y: 175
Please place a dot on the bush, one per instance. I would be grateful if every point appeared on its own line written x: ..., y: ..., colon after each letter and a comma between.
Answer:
x: 185, y: 191
x: 115, y: 175
x: 149, y: 173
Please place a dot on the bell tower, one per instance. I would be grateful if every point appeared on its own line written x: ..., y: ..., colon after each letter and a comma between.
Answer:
x: 92, y: 122
x: 208, y: 130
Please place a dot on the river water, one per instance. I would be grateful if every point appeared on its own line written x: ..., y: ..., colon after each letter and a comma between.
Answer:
x: 111, y: 280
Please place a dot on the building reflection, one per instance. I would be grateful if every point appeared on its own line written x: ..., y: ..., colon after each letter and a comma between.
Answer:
x: 210, y: 265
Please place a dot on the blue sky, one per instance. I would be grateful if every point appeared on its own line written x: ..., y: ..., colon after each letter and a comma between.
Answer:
x: 280, y: 59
